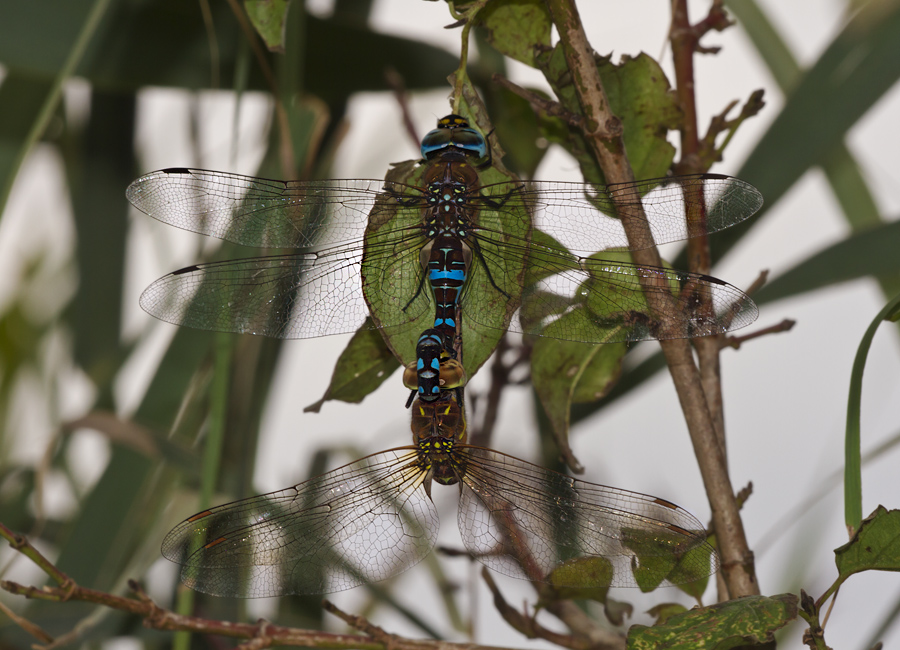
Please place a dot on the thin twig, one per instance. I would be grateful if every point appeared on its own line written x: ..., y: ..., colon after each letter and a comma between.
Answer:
x: 23, y: 546
x: 395, y: 82
x: 32, y: 628
x: 529, y: 626
x: 539, y: 103
x: 260, y: 635
x: 735, y: 341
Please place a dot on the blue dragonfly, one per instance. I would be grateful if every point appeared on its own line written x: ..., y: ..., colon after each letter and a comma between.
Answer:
x: 508, y: 254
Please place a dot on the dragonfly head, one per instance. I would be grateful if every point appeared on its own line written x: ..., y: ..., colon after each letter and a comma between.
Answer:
x: 454, y: 139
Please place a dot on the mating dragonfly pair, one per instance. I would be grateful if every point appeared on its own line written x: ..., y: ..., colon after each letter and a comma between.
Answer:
x: 371, y: 247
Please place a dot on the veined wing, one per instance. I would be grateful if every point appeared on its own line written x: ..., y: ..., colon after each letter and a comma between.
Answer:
x: 362, y: 522
x: 526, y: 521
x: 293, y: 296
x: 582, y: 216
x: 598, y: 299
x: 263, y: 212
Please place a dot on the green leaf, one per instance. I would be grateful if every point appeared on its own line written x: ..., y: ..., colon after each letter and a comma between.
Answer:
x: 362, y: 367
x: 564, y: 372
x: 98, y: 168
x: 21, y: 100
x: 852, y: 453
x: 661, y: 557
x: 639, y: 94
x: 582, y: 578
x: 751, y: 620
x: 664, y: 611
x: 518, y: 129
x: 874, y: 547
x: 387, y: 286
x: 268, y: 18
x: 517, y: 27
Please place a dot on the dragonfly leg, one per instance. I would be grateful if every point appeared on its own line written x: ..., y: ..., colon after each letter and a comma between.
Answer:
x: 416, y: 294
x: 473, y: 244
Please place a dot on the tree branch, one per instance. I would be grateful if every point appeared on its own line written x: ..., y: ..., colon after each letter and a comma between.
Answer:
x: 605, y: 139
x: 261, y: 634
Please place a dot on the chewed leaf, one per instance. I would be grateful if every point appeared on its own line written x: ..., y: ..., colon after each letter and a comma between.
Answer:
x: 875, y: 547
x: 665, y: 555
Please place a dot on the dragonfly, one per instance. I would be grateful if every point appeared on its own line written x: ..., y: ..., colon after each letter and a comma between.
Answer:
x: 510, y: 254
x: 374, y: 518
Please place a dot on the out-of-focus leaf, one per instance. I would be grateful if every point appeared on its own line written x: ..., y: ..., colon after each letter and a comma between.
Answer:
x: 859, y: 66
x: 21, y: 99
x: 664, y: 611
x: 871, y: 252
x: 98, y: 168
x: 639, y: 94
x: 518, y: 130
x: 362, y: 367
x: 516, y: 27
x: 840, y: 167
x: 115, y: 518
x: 751, y: 620
x: 268, y: 18
x: 166, y: 43
x: 874, y: 547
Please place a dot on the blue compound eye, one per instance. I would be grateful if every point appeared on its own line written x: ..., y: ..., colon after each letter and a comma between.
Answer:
x: 454, y: 135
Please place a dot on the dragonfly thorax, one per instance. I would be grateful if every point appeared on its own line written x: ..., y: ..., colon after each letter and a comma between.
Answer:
x: 449, y: 186
x: 437, y: 427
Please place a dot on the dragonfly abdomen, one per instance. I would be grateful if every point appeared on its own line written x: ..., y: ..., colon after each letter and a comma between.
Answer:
x: 434, y: 370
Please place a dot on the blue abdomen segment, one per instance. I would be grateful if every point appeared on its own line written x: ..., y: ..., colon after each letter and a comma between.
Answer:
x: 435, y: 370
x: 446, y: 275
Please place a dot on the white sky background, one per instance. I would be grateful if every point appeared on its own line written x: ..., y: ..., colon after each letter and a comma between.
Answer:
x: 785, y: 395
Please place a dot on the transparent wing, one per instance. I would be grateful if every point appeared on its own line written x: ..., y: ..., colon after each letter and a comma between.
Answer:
x: 529, y: 522
x: 362, y: 522
x: 600, y: 299
x: 295, y: 296
x: 319, y: 292
x: 263, y: 212
x: 303, y: 214
x: 582, y: 216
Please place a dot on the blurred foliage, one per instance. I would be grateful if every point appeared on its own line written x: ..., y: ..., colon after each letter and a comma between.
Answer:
x: 113, y: 532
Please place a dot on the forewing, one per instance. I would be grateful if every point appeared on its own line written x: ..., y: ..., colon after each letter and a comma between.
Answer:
x: 363, y: 522
x: 526, y: 521
x: 582, y: 216
x: 258, y: 211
